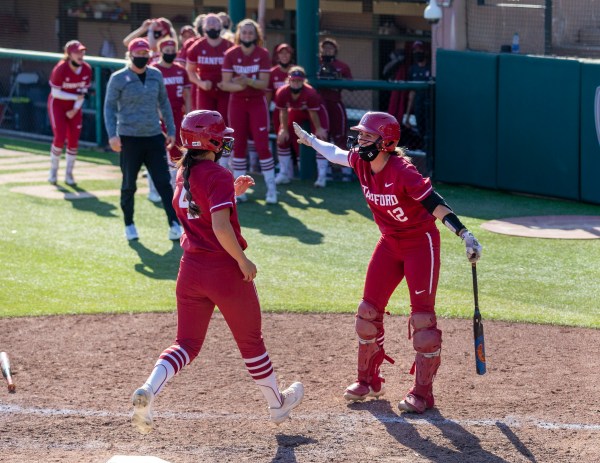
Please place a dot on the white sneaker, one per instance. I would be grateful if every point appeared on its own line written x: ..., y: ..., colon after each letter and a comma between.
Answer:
x: 69, y: 180
x: 241, y: 198
x: 271, y: 197
x: 154, y: 197
x: 282, y: 179
x: 131, y: 232
x: 52, y: 176
x: 292, y: 397
x: 321, y: 182
x: 141, y: 418
x: 175, y: 231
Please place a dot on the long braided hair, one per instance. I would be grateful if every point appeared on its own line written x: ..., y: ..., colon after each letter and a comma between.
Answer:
x: 188, y: 160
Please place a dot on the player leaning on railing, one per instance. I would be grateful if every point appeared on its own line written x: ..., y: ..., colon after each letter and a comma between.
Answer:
x: 404, y: 206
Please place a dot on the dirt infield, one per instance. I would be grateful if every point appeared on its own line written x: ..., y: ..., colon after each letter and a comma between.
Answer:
x: 539, y: 401
x: 566, y: 227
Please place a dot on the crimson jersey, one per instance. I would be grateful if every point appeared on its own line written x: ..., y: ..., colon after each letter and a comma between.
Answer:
x: 336, y: 69
x: 181, y: 57
x: 394, y: 194
x: 175, y: 79
x: 208, y: 59
x: 239, y: 64
x: 277, y: 78
x: 65, y: 79
x: 308, y: 99
x: 212, y: 190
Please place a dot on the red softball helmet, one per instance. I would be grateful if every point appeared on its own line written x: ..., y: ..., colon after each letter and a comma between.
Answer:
x: 383, y: 124
x: 204, y: 130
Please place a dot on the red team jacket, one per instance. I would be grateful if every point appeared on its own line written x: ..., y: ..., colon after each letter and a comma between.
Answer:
x: 65, y: 79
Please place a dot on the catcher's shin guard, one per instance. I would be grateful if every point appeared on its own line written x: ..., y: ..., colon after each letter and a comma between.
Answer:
x: 371, y: 354
x: 427, y: 341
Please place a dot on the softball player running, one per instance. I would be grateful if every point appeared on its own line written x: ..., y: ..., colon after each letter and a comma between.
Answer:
x: 70, y: 80
x: 404, y: 206
x: 245, y: 72
x: 214, y: 271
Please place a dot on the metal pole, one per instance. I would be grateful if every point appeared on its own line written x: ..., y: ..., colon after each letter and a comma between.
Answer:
x: 237, y: 12
x: 98, y: 85
x: 548, y: 28
x: 307, y: 41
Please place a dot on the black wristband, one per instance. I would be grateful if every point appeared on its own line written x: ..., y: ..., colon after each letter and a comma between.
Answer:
x: 453, y: 223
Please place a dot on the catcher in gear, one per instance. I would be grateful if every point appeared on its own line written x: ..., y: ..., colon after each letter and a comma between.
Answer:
x: 405, y: 207
x: 214, y: 271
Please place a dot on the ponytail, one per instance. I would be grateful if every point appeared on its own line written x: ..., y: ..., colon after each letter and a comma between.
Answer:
x: 187, y: 162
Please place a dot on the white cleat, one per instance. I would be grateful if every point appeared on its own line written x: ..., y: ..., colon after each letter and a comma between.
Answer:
x: 282, y: 179
x: 141, y: 419
x: 292, y: 397
x: 131, y: 232
x: 154, y: 197
x: 52, y: 176
x: 175, y: 231
x: 69, y: 180
x: 271, y: 197
x: 321, y: 182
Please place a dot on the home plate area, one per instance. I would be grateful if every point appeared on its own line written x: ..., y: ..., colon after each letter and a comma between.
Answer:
x: 567, y: 227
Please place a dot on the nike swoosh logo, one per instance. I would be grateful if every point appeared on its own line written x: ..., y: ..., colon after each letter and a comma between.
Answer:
x: 419, y: 292
x: 257, y: 60
x: 262, y: 129
x: 388, y: 184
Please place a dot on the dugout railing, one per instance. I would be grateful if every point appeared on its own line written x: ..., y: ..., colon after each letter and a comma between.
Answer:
x: 23, y: 100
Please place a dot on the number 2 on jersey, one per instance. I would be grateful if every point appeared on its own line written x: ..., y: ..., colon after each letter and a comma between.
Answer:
x: 398, y: 214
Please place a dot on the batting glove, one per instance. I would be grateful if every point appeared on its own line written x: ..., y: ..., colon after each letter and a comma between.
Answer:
x: 303, y: 136
x: 472, y: 246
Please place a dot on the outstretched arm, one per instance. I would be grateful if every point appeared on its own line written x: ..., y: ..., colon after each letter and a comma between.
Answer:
x: 331, y: 152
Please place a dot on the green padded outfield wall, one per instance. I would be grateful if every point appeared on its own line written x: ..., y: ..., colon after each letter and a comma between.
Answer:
x: 538, y: 125
x: 590, y: 132
x: 465, y: 121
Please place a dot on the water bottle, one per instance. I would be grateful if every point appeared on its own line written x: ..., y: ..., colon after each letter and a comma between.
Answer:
x: 515, y: 43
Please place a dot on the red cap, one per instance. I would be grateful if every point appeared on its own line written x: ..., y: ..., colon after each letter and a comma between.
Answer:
x: 167, y: 43
x: 187, y: 28
x: 138, y: 44
x: 164, y: 26
x: 73, y: 46
x: 284, y: 46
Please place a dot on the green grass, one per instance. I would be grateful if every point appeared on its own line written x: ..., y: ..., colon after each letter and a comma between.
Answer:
x: 311, y: 251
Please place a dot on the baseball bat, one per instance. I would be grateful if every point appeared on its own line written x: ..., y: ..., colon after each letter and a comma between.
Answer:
x: 478, y: 328
x: 5, y: 365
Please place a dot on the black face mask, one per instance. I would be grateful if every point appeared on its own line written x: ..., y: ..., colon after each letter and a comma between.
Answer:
x: 75, y: 63
x: 367, y: 153
x: 140, y: 62
x: 327, y: 58
x: 419, y: 56
x: 285, y: 65
x: 295, y: 91
x: 213, y: 33
x: 248, y: 44
x: 157, y: 35
x: 169, y: 57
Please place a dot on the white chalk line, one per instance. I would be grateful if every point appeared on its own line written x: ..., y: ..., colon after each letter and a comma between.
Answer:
x: 355, y: 417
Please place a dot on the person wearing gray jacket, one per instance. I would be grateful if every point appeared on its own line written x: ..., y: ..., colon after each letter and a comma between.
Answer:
x: 136, y: 100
